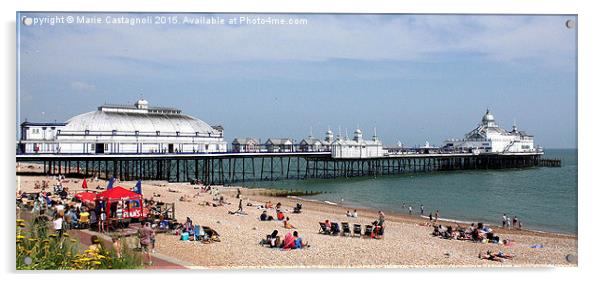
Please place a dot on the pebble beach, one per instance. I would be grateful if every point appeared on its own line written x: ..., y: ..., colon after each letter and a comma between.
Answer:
x: 407, y: 241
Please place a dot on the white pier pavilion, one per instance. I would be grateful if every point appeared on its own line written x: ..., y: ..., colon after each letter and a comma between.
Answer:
x: 489, y: 137
x: 123, y: 129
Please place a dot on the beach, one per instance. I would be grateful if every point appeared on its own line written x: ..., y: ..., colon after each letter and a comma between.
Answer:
x: 406, y: 243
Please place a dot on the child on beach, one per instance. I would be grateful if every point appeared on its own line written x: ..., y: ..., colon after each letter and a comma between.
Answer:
x: 116, y: 246
x: 287, y: 224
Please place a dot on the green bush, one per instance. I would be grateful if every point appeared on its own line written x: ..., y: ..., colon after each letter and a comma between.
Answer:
x: 39, y: 250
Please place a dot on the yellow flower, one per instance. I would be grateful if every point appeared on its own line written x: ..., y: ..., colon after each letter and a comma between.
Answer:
x: 73, y: 240
x: 66, y: 234
x: 46, y: 241
x: 20, y: 221
x: 20, y: 237
x: 53, y: 235
x: 33, y: 239
x: 97, y: 262
x: 18, y: 241
x: 21, y: 225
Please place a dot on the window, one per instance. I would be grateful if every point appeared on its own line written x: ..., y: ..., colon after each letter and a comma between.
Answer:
x: 136, y: 132
x: 158, y: 132
x: 87, y: 132
x: 177, y: 133
x: 114, y: 132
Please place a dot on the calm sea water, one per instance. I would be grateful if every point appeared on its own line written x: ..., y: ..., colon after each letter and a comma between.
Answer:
x: 542, y: 198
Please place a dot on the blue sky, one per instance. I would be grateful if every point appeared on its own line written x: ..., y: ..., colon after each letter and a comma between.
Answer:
x: 413, y: 77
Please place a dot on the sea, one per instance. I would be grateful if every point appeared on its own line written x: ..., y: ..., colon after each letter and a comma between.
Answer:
x: 542, y: 198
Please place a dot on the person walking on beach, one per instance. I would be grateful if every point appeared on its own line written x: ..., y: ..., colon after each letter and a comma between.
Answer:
x: 431, y: 217
x: 514, y: 221
x: 436, y: 215
x: 146, y: 233
x: 421, y: 209
x: 410, y: 209
x: 504, y: 219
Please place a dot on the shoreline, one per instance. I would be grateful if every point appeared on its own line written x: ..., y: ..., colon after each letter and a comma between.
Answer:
x: 441, y: 220
x: 405, y: 218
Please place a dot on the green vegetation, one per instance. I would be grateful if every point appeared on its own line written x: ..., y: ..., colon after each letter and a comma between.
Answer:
x: 39, y: 249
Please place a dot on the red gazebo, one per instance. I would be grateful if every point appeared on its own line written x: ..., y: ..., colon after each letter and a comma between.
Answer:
x: 131, y: 203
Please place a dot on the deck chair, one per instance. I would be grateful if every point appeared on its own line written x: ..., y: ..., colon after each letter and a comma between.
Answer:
x: 324, y: 229
x: 336, y: 230
x: 357, y: 230
x: 368, y: 230
x: 346, y: 230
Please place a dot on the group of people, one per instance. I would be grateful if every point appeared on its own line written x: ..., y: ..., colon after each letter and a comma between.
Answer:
x: 354, y: 214
x: 290, y: 241
x: 475, y: 233
x: 515, y: 222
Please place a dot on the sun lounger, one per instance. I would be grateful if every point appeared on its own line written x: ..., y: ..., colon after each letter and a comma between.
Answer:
x: 335, y: 228
x: 346, y: 230
x: 357, y: 230
x: 368, y: 230
x: 324, y: 229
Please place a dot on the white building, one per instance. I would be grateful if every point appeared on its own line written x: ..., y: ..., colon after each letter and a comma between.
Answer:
x: 488, y: 137
x: 245, y: 145
x: 357, y: 148
x: 123, y: 129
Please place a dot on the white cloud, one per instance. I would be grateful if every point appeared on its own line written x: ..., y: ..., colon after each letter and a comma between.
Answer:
x: 539, y: 40
x: 82, y: 87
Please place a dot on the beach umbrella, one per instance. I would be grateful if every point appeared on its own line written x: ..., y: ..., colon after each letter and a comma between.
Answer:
x: 110, y: 185
x: 85, y: 184
x: 138, y: 187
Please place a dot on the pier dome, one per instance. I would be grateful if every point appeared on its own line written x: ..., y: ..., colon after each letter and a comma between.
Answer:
x: 141, y: 118
x: 488, y: 117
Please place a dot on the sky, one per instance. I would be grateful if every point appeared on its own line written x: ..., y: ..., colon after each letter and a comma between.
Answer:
x: 413, y: 78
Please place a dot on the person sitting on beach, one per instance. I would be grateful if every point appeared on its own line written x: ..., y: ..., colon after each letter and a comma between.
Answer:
x: 328, y: 225
x: 298, y: 241
x: 287, y: 224
x: 188, y: 226
x: 274, y: 239
x: 288, y: 242
x: 381, y: 218
x: 349, y: 214
x: 268, y: 205
x: 278, y: 206
x: 265, y: 217
x: 280, y: 215
x: 354, y: 213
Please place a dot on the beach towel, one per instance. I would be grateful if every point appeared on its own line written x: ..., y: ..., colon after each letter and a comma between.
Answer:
x: 537, y: 246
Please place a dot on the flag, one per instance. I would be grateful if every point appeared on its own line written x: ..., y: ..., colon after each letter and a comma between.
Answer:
x: 138, y: 187
x: 85, y: 184
x: 111, y: 180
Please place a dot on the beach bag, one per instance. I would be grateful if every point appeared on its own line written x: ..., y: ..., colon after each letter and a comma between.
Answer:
x: 185, y: 236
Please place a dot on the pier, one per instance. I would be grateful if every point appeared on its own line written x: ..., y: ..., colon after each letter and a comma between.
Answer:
x: 236, y: 168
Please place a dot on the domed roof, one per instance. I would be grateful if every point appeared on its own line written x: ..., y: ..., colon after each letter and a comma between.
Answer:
x: 488, y: 117
x: 142, y: 122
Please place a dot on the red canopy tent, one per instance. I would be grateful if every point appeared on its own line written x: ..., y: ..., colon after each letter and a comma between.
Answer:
x: 86, y: 196
x: 132, y: 202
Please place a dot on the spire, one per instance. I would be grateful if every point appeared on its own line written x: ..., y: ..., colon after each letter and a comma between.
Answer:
x: 311, y: 133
